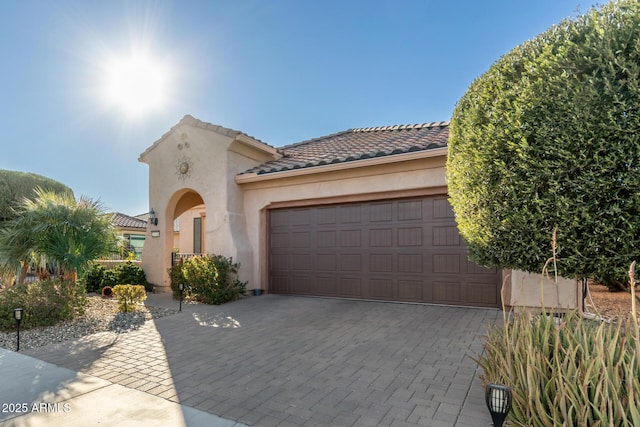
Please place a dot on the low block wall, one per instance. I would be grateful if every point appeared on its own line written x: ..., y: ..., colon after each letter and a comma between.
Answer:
x: 537, y: 292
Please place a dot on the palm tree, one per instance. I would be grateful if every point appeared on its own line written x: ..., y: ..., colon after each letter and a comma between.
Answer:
x: 55, y: 229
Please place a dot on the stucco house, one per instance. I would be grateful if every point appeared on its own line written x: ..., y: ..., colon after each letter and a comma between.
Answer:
x: 362, y: 213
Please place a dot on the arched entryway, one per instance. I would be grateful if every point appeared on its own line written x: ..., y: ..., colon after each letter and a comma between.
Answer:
x: 189, y: 225
x: 192, y: 170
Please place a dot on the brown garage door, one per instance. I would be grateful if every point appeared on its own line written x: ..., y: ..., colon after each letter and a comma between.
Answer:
x: 395, y: 250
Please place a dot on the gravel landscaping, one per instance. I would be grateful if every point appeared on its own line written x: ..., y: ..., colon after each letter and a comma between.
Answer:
x: 101, y: 315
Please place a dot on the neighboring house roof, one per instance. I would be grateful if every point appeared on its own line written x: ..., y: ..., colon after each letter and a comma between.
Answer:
x: 121, y: 220
x: 357, y: 144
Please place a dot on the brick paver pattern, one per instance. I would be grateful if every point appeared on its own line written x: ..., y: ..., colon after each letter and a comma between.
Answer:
x: 295, y: 361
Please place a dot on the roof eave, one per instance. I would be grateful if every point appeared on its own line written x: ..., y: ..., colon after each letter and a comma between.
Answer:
x: 414, y: 155
x: 257, y: 145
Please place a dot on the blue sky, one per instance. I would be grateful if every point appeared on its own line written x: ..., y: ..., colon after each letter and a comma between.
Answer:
x: 280, y: 70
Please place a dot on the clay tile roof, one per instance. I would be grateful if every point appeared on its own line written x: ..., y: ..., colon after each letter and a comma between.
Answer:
x: 125, y: 221
x: 358, y: 144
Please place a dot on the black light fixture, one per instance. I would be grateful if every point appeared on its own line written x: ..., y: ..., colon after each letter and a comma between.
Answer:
x: 153, y: 219
x: 17, y: 314
x: 498, y: 398
x: 181, y: 287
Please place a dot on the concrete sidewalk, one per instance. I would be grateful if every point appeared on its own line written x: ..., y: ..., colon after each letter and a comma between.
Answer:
x: 35, y: 393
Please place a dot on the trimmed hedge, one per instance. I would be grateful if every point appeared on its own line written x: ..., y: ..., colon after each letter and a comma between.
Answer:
x: 549, y: 137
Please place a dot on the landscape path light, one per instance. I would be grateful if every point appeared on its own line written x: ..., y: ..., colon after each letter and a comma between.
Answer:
x: 498, y: 399
x: 17, y: 314
x: 181, y: 287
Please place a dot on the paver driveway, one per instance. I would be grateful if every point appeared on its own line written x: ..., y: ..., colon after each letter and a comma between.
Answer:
x: 283, y: 360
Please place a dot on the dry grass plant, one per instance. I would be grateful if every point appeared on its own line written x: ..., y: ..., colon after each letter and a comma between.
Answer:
x: 567, y: 370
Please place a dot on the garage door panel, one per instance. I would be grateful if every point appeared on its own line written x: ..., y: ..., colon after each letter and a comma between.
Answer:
x: 410, y: 263
x: 327, y: 262
x: 350, y: 214
x: 280, y: 284
x: 412, y: 290
x: 381, y: 237
x: 446, y: 292
x: 381, y: 212
x: 410, y: 210
x: 382, y: 289
x: 446, y: 236
x: 280, y: 262
x: 381, y: 263
x: 351, y: 238
x: 446, y: 263
x: 483, y: 294
x: 301, y: 217
x: 326, y: 239
x: 400, y: 250
x: 442, y: 208
x: 326, y: 285
x: 279, y: 218
x: 302, y: 262
x: 301, y: 239
x: 326, y: 215
x: 280, y: 240
x: 351, y: 262
x: 408, y: 237
x: 350, y: 286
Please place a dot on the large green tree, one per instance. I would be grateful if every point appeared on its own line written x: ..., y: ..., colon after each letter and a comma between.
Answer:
x: 549, y: 138
x: 14, y: 186
x: 55, y: 229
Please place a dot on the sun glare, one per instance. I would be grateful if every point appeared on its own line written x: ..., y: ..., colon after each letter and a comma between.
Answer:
x: 136, y: 85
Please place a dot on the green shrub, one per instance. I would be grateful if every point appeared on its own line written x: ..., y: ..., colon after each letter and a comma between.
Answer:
x: 129, y: 297
x: 211, y: 279
x: 45, y: 303
x: 128, y: 272
x: 93, y: 278
x: 109, y: 278
x: 548, y: 138
x: 572, y: 372
x: 98, y: 276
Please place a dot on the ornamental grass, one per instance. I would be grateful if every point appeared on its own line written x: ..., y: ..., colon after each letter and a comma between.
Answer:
x: 565, y: 370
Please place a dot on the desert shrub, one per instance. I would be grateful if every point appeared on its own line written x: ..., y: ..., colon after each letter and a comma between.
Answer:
x: 98, y: 276
x: 128, y: 272
x: 211, y: 279
x: 93, y: 278
x: 571, y: 372
x: 129, y: 297
x: 45, y: 303
x: 109, y: 278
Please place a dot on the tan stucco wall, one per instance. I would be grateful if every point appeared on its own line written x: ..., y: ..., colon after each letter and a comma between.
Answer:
x: 213, y: 165
x: 534, y: 291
